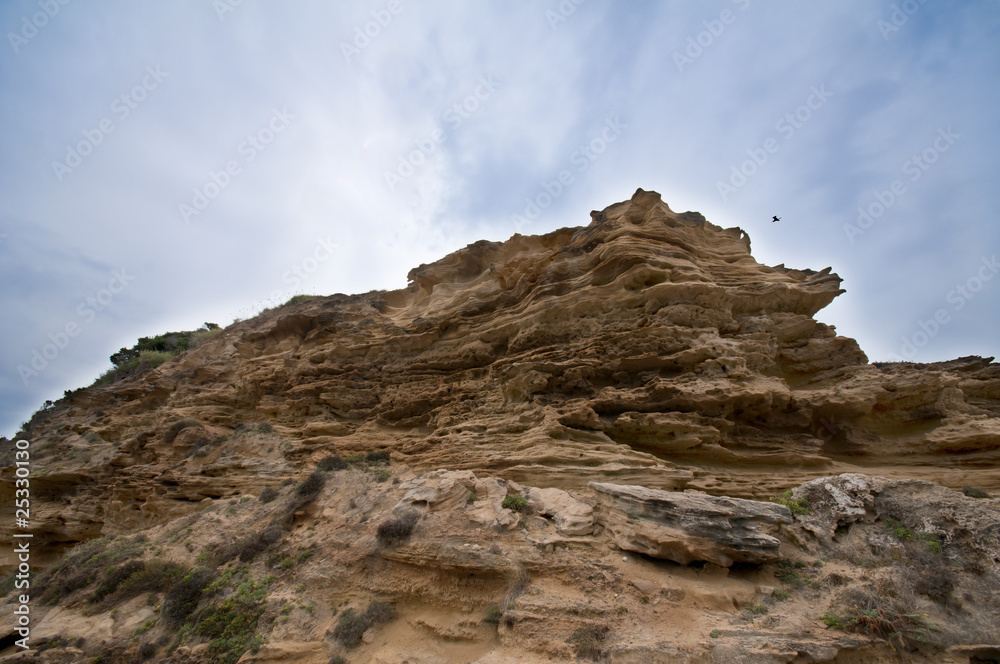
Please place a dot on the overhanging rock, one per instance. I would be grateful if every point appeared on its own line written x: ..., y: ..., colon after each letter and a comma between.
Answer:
x: 689, y: 527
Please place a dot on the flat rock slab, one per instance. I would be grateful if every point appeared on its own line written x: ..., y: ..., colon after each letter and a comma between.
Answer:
x: 689, y: 527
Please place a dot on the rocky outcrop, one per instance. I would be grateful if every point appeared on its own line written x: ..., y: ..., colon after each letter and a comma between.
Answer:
x: 689, y: 527
x: 640, y: 383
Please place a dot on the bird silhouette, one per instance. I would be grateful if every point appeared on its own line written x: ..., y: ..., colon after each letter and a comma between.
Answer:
x: 776, y: 218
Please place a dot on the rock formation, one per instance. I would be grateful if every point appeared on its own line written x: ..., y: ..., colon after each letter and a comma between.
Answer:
x: 550, y: 406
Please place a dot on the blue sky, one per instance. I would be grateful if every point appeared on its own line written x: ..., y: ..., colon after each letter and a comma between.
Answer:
x: 167, y: 164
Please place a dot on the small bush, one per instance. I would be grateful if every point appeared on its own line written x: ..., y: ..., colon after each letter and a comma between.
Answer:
x: 256, y: 544
x: 935, y: 583
x: 377, y: 456
x: 493, y: 616
x: 383, y: 475
x: 84, y: 564
x: 115, y: 577
x: 378, y: 613
x: 350, y: 628
x: 800, y: 506
x: 182, y: 599
x: 715, y: 633
x: 312, y: 485
x: 899, y: 531
x: 787, y: 572
x: 835, y: 579
x: 874, y: 612
x: 973, y: 492
x: 146, y: 651
x: 398, y: 529
x: 330, y: 463
x: 932, y: 541
x: 232, y: 624
x: 588, y: 642
x: 155, y: 576
x: 758, y: 609
x: 515, y: 503
x: 780, y: 595
x: 268, y: 494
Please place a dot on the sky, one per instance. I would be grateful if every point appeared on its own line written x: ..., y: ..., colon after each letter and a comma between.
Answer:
x: 169, y: 164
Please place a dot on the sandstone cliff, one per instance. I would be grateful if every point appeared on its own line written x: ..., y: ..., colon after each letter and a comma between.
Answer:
x: 637, y: 385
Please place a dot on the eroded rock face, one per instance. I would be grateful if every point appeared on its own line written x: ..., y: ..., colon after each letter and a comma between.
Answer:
x: 646, y: 348
x: 689, y: 527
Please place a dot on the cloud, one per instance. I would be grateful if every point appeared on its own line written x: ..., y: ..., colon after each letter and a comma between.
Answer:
x: 553, y: 84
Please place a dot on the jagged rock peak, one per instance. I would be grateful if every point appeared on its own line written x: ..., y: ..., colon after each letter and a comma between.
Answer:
x: 638, y: 244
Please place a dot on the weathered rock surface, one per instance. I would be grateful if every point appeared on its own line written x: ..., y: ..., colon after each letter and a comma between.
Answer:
x: 689, y: 527
x: 633, y: 380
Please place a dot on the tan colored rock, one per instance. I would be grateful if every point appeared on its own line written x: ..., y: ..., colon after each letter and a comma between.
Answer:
x: 439, y: 490
x: 572, y: 517
x: 688, y: 527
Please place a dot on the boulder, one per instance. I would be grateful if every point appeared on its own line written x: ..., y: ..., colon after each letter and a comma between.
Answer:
x: 689, y: 527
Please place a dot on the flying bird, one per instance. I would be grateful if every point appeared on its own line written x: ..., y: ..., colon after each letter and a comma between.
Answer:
x: 775, y: 218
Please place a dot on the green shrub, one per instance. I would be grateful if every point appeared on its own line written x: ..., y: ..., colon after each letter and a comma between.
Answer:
x: 268, y: 494
x: 255, y: 544
x: 182, y: 599
x: 493, y: 615
x: 146, y: 651
x: 800, y: 506
x: 115, y: 577
x: 350, y: 628
x: 155, y: 576
x: 377, y: 456
x: 588, y: 642
x: 780, y: 595
x: 874, y: 612
x: 85, y: 564
x: 515, y: 503
x: 758, y: 609
x: 899, y: 531
x: 232, y: 624
x: 932, y: 541
x: 312, y: 486
x: 299, y: 299
x: 788, y: 572
x: 398, y: 529
x: 715, y: 633
x: 383, y: 475
x: 330, y: 463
